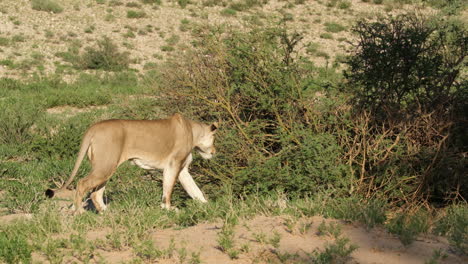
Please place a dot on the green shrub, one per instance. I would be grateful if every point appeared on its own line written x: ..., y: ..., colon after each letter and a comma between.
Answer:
x: 407, y: 60
x: 409, y: 96
x: 253, y: 82
x: 46, y: 5
x: 105, y: 56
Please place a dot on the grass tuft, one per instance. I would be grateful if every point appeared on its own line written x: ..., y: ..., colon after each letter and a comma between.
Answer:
x: 47, y: 6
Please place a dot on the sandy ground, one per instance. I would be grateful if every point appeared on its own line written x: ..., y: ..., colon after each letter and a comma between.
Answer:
x: 374, y: 246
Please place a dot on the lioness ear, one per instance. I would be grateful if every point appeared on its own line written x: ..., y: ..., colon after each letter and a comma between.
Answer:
x: 214, y: 126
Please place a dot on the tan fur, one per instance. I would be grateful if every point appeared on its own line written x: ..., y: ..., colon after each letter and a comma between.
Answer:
x: 151, y: 144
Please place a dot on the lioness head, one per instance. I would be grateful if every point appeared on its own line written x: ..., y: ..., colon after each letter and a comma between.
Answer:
x: 205, y: 142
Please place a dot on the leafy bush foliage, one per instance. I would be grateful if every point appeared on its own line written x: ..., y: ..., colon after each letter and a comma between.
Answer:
x: 105, y: 56
x: 408, y: 61
x: 409, y: 89
x: 254, y: 83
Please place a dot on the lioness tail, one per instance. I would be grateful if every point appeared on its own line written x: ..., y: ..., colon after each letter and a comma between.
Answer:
x: 83, y: 149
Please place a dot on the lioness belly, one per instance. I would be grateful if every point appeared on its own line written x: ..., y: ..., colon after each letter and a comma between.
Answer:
x: 148, y: 164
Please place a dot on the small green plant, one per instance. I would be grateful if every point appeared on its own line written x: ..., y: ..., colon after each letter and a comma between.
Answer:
x: 195, y: 258
x: 260, y: 237
x: 90, y: 29
x: 344, y: 4
x: 154, y: 2
x: 4, y: 41
x: 133, y: 4
x: 437, y: 256
x: 226, y: 239
x: 337, y: 252
x: 332, y: 229
x: 135, y: 14
x: 245, y: 248
x: 322, y: 54
x: 184, y: 25
x: 334, y: 27
x: 228, y: 12
x: 275, y: 239
x: 146, y: 250
x: 47, y: 6
x: 129, y: 34
x: 455, y: 225
x: 183, y: 3
x: 326, y: 36
x: 18, y: 38
x: 408, y: 226
x: 304, y: 227
x: 167, y: 48
x: 290, y: 224
x: 182, y: 254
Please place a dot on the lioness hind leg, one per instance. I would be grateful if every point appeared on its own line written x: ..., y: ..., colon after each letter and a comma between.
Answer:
x: 190, y: 186
x: 97, y: 198
x: 90, y: 182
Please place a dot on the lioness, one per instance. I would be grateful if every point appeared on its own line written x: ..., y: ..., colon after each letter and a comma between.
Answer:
x: 151, y: 144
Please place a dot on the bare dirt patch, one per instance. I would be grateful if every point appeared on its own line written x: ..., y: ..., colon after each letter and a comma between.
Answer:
x: 375, y: 245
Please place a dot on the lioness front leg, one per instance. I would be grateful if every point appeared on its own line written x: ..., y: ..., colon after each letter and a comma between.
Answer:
x: 190, y: 186
x: 169, y: 179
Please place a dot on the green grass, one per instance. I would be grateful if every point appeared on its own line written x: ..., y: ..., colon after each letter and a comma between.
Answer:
x: 4, y: 41
x: 47, y: 6
x: 135, y: 14
x: 334, y: 27
x: 228, y: 12
x: 408, y: 226
x: 326, y: 36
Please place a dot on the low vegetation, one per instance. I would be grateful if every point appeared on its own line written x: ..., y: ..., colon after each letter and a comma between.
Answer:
x: 47, y: 6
